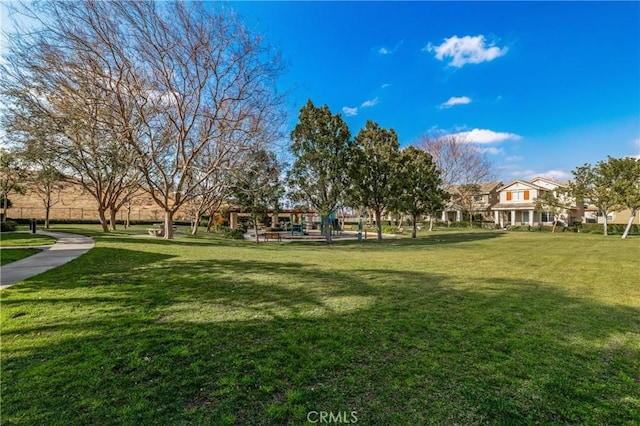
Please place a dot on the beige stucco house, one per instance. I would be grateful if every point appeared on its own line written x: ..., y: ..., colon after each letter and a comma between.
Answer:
x: 483, y: 203
x: 517, y: 204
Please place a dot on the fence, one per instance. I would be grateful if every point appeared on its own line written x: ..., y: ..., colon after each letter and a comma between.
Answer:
x: 80, y: 213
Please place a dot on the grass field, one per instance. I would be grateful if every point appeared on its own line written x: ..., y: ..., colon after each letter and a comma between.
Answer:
x: 15, y: 239
x: 9, y: 240
x: 452, y: 328
x: 11, y: 255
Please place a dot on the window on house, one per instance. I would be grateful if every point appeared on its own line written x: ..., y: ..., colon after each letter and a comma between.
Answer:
x: 546, y: 217
x: 517, y: 195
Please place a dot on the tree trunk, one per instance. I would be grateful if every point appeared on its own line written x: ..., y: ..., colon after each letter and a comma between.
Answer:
x: 47, y: 210
x: 5, y: 206
x: 196, y: 223
x: 379, y: 224
x: 103, y: 220
x: 414, y: 231
x: 327, y: 229
x: 168, y: 225
x: 112, y: 218
x: 255, y: 229
x: 210, y: 223
x: 606, y: 227
x: 127, y: 222
x: 430, y: 223
x: 631, y: 219
x: 555, y: 224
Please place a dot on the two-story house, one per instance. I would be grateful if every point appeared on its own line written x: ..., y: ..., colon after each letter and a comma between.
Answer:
x: 518, y: 202
x: 482, y: 203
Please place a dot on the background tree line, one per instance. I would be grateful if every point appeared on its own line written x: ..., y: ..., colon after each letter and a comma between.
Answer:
x: 179, y: 100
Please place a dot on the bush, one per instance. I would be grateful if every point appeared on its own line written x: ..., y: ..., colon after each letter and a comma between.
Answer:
x: 612, y: 228
x: 8, y: 226
x: 465, y: 224
x: 389, y: 229
x: 234, y: 234
x: 534, y: 228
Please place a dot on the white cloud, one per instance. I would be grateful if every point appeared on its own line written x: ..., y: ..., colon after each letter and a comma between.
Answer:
x: 462, y: 100
x: 557, y: 175
x: 486, y: 136
x: 370, y: 103
x: 466, y: 50
x: 350, y: 112
x: 514, y: 158
x: 387, y: 51
x: 491, y: 150
x: 384, y: 86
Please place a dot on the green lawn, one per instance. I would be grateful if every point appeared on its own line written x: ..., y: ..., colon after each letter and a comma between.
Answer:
x: 14, y: 239
x: 11, y: 255
x: 452, y: 328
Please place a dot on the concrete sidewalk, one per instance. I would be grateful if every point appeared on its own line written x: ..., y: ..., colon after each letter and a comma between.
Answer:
x: 66, y: 248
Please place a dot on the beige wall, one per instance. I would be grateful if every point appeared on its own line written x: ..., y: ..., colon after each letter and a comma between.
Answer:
x: 72, y: 202
x: 623, y: 217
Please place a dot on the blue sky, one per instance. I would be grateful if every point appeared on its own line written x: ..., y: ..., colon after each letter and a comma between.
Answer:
x: 543, y: 87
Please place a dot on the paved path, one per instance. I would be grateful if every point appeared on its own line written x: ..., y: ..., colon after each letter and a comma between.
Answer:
x: 66, y: 248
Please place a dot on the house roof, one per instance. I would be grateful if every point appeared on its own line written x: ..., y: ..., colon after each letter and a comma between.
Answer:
x: 524, y: 182
x: 554, y: 182
x: 485, y: 187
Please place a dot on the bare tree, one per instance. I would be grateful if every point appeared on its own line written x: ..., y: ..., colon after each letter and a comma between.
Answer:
x: 205, y: 90
x: 459, y: 160
x: 58, y: 88
x: 144, y: 90
x: 461, y: 163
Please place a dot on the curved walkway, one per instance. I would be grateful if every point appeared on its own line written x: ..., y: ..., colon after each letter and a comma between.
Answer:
x: 67, y: 247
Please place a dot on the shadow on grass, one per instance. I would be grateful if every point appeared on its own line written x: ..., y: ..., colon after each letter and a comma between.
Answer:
x: 259, y: 342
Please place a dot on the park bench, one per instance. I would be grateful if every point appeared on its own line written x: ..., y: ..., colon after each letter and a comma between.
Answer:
x: 273, y: 236
x: 159, y: 232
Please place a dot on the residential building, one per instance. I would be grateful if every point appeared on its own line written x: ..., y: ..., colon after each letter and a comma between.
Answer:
x: 517, y: 204
x: 481, y: 204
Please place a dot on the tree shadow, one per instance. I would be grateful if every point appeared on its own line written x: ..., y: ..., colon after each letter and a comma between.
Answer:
x: 260, y: 342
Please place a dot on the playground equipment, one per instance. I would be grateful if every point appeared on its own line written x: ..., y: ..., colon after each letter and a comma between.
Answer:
x: 335, y: 230
x: 297, y: 226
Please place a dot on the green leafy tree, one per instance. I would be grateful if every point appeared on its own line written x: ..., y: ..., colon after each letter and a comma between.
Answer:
x: 417, y: 186
x: 593, y: 185
x: 552, y: 202
x: 258, y: 187
x: 626, y: 186
x: 373, y: 167
x: 321, y: 145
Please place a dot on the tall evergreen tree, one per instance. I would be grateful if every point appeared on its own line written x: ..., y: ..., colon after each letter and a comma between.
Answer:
x: 418, y: 185
x: 373, y: 167
x: 321, y: 145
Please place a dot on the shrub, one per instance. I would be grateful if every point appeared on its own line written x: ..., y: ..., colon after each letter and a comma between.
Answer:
x: 612, y: 228
x: 8, y: 226
x: 534, y: 228
x: 389, y: 229
x: 465, y: 224
x: 234, y: 234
